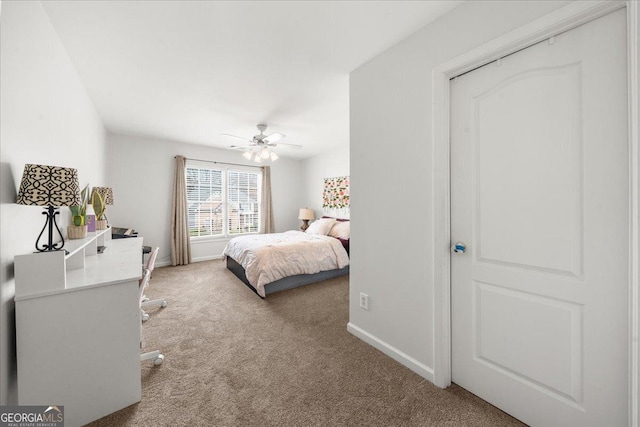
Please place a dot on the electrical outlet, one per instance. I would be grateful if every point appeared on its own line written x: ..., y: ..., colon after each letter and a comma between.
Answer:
x: 364, y: 301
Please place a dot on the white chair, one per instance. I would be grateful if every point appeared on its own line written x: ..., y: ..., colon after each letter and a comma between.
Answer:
x: 146, y: 302
x: 156, y: 356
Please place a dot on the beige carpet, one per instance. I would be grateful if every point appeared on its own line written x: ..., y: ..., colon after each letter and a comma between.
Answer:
x: 233, y: 359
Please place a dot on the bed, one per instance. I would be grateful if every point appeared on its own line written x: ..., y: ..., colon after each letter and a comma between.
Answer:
x: 269, y: 263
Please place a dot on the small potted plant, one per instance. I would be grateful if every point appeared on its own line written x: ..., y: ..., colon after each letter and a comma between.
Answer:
x: 78, y: 227
x: 97, y: 201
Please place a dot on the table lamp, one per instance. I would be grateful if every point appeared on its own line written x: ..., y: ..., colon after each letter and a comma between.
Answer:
x: 53, y: 187
x: 305, y: 215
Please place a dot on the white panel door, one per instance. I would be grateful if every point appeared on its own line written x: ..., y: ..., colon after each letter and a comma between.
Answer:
x: 540, y: 197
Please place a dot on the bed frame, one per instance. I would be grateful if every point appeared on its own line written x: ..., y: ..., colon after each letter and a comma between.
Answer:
x: 286, y: 282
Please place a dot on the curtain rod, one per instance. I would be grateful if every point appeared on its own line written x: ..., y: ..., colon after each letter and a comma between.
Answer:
x: 222, y: 163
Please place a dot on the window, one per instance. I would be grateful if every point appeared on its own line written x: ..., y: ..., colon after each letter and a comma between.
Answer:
x: 222, y: 200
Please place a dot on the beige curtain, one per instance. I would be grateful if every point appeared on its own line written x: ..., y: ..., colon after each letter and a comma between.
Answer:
x: 267, y: 225
x: 180, y: 244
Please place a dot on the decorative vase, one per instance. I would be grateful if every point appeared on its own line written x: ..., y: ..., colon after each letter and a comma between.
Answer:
x: 101, y: 224
x: 91, y: 222
x: 76, y: 232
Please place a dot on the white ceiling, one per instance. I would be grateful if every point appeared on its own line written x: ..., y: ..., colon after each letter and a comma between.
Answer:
x: 192, y: 70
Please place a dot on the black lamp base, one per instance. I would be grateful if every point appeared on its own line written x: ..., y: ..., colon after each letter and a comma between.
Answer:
x: 51, y: 213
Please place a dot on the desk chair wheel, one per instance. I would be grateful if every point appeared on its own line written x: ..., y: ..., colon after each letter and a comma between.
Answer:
x: 153, y: 355
x: 145, y: 316
x: 156, y: 302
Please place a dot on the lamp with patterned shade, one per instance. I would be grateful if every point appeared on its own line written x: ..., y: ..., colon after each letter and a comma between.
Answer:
x: 106, y: 196
x: 50, y: 186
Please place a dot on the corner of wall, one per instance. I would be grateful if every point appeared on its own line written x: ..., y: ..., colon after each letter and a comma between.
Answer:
x: 326, y: 165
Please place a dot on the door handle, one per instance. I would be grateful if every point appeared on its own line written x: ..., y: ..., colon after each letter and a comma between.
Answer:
x: 459, y: 248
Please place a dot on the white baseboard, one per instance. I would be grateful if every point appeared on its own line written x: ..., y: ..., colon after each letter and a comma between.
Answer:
x: 400, y: 357
x: 206, y: 258
x: 167, y: 263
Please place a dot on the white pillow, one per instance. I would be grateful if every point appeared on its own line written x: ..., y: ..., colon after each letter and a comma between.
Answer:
x: 321, y: 226
x: 341, y: 230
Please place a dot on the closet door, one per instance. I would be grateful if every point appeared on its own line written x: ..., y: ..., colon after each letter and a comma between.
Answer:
x: 540, y: 199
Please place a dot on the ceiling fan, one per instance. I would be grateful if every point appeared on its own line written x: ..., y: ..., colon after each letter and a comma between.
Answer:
x: 259, y: 147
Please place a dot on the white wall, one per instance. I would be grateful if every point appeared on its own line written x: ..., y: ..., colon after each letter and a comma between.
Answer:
x: 331, y: 164
x: 140, y: 171
x: 46, y: 118
x: 391, y: 178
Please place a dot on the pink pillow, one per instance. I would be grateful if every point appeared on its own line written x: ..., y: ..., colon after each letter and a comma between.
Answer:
x: 341, y: 230
x: 321, y: 226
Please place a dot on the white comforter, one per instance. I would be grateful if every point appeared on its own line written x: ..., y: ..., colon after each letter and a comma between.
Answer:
x: 269, y: 257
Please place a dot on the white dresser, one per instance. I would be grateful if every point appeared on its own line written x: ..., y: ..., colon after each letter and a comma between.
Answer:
x: 78, y: 327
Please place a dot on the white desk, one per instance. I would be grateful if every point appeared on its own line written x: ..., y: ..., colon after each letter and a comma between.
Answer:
x: 78, y: 339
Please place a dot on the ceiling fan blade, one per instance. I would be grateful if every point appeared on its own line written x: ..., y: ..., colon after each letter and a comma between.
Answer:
x: 276, y: 136
x: 237, y: 137
x: 294, y: 146
x: 240, y: 147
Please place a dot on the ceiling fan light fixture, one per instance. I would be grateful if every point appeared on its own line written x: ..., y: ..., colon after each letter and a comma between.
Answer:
x: 260, y: 147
